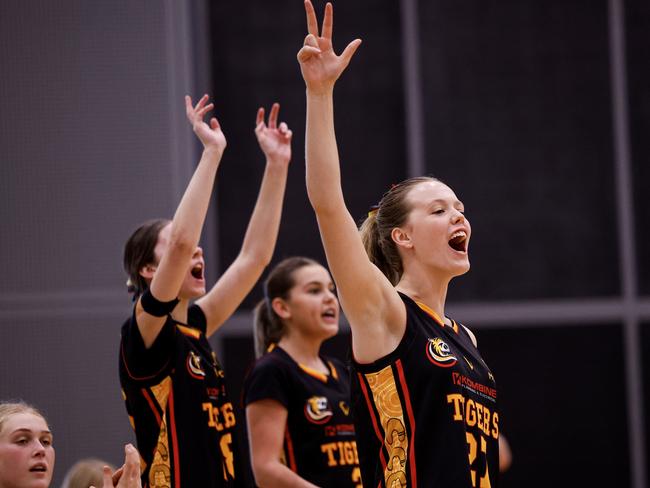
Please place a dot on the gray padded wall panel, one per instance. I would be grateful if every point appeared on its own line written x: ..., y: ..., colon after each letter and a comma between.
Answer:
x: 93, y: 140
x: 84, y: 137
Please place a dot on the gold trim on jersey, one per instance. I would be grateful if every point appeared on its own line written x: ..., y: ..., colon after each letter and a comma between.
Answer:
x: 335, y: 374
x: 160, y: 475
x: 312, y: 372
x: 391, y: 415
x: 436, y: 317
x: 189, y: 331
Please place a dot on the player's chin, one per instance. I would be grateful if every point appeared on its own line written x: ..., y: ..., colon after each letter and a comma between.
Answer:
x: 192, y: 292
x: 330, y: 329
x: 43, y: 482
x: 460, y: 268
x: 199, y: 292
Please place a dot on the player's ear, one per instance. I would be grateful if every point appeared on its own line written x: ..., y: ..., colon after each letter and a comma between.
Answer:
x: 401, y: 237
x: 281, y: 308
x: 148, y: 271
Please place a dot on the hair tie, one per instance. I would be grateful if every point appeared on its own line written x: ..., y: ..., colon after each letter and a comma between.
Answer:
x: 373, y: 210
x: 132, y: 289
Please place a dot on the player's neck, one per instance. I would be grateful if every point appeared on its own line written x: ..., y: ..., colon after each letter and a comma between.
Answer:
x: 179, y: 314
x: 303, y: 351
x: 429, y: 290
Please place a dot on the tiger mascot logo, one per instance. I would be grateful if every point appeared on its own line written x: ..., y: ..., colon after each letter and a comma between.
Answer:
x: 317, y: 410
x: 439, y: 353
x: 194, y: 366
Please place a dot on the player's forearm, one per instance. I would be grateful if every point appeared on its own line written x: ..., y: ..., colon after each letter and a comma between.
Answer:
x: 190, y: 214
x: 262, y: 232
x: 321, y: 154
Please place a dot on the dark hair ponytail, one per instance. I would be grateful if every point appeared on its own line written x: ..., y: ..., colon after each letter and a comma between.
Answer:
x: 269, y: 327
x: 371, y: 239
x: 139, y: 252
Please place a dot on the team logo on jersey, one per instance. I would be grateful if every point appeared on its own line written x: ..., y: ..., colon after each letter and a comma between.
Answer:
x: 317, y: 410
x: 439, y: 353
x: 194, y: 366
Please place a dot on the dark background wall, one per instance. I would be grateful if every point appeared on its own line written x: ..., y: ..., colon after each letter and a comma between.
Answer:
x: 536, y: 113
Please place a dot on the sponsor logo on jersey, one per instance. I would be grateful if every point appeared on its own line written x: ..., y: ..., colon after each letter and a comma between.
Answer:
x: 339, y: 430
x: 474, y: 386
x: 317, y: 410
x: 194, y: 366
x: 439, y: 353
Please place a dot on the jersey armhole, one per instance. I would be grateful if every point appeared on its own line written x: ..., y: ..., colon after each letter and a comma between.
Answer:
x: 471, y: 335
x: 142, y: 363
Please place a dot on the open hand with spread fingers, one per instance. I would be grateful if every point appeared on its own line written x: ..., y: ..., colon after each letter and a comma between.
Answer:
x: 319, y: 64
x: 210, y: 134
x: 274, y: 139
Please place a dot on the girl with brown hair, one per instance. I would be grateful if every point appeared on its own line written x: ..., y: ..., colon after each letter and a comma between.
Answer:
x: 173, y: 384
x: 297, y: 400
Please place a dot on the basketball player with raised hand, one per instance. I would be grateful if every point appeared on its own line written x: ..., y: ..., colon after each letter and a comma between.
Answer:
x: 173, y: 384
x: 424, y: 400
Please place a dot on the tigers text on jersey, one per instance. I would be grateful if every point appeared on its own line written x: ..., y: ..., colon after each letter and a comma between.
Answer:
x: 176, y: 400
x: 319, y: 443
x: 426, y: 414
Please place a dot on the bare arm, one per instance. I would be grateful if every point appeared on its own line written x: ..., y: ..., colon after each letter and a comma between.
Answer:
x: 188, y: 219
x: 262, y: 232
x: 266, y: 421
x: 376, y: 313
x: 505, y: 454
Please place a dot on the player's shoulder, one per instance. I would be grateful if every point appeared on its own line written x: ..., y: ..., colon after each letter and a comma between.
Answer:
x: 274, y: 360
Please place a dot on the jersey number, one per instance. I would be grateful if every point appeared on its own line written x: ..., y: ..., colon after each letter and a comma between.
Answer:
x: 484, y: 481
x: 356, y: 477
x: 219, y: 420
x: 226, y: 452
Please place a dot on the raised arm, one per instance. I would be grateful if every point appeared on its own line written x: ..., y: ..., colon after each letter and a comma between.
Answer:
x: 167, y: 277
x: 371, y: 304
x: 261, y: 235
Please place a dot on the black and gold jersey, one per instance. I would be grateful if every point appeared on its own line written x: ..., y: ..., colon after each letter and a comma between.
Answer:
x: 426, y: 414
x: 176, y: 400
x: 319, y: 442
